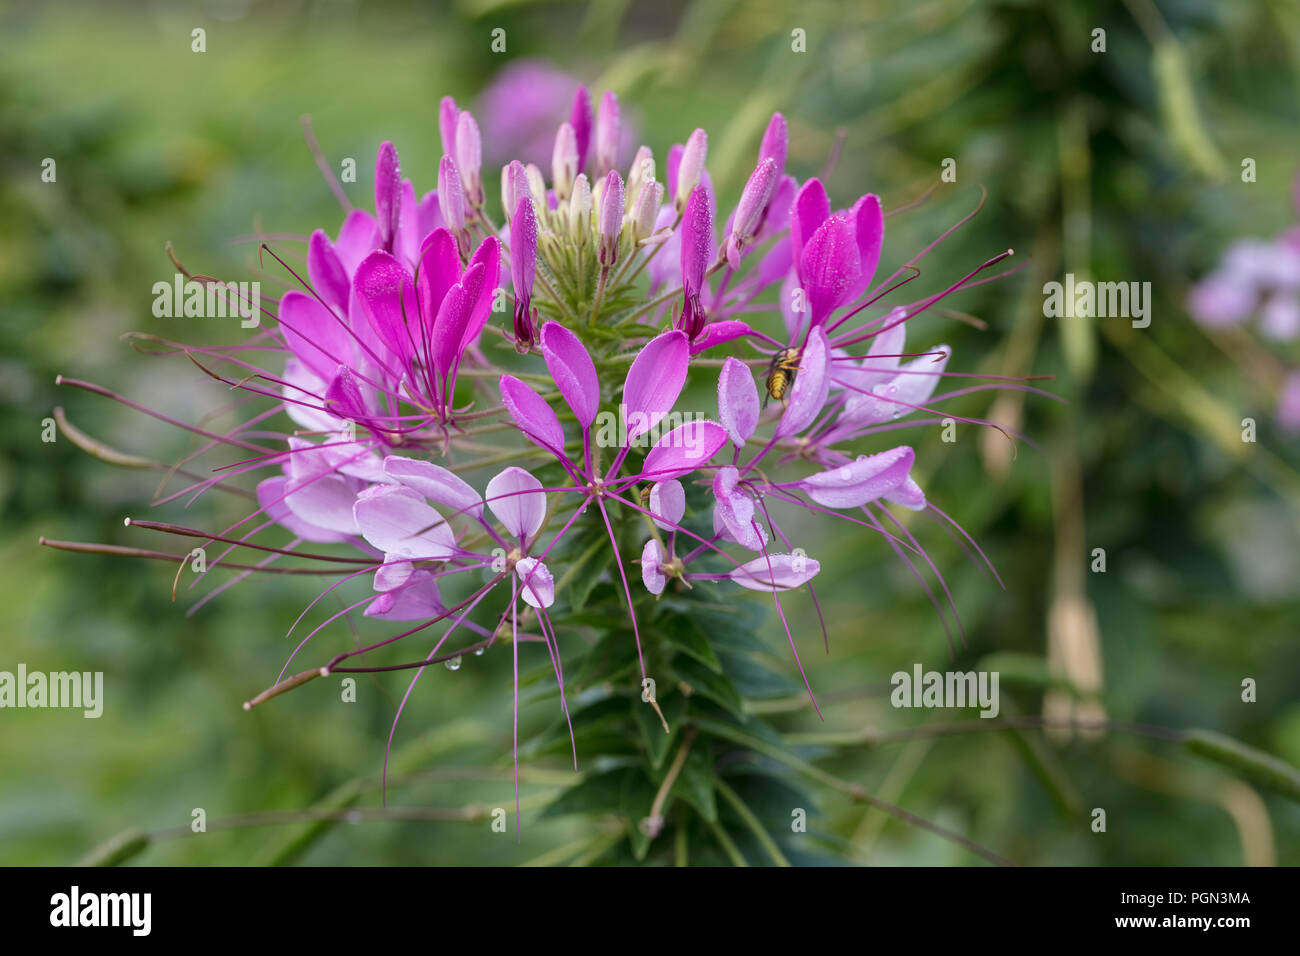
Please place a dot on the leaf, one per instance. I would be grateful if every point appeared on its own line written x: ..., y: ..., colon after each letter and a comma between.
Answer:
x: 1264, y: 769
x: 636, y: 800
x: 755, y: 681
x: 688, y: 637
x: 600, y: 793
x: 716, y: 687
x: 695, y: 785
x: 657, y: 743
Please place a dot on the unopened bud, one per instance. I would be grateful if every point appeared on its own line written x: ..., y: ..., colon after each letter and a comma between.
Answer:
x: 641, y: 172
x: 646, y: 210
x: 580, y: 208
x: 611, y: 218
x: 514, y: 185
x: 607, y: 134
x: 451, y: 202
x: 536, y: 185
x: 564, y: 161
x: 691, y: 169
x: 469, y: 158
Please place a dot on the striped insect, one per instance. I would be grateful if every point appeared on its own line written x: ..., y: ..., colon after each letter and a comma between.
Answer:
x: 780, y: 375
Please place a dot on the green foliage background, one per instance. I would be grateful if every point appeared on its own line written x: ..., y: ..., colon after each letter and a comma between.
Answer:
x: 1122, y: 165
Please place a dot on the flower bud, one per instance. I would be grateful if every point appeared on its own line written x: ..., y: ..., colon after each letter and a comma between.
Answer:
x: 564, y: 161
x: 580, y: 120
x: 448, y: 114
x: 749, y: 211
x: 536, y: 185
x: 388, y: 194
x: 523, y: 266
x: 611, y: 218
x: 469, y: 158
x: 641, y: 171
x: 646, y: 210
x: 691, y: 169
x: 514, y: 184
x: 580, y: 208
x: 607, y: 134
x: 451, y: 202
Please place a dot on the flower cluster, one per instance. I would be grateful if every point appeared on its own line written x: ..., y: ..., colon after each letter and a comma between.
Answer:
x: 616, y: 291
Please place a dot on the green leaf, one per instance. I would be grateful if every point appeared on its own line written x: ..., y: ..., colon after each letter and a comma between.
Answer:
x: 695, y: 785
x: 754, y: 681
x: 657, y: 743
x: 713, y: 686
x: 1264, y: 769
x: 601, y: 793
x: 636, y: 799
x: 686, y: 636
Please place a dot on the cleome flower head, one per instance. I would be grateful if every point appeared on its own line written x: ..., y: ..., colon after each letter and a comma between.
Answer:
x: 472, y: 387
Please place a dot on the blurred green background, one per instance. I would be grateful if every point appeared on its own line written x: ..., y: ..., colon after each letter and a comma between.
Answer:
x: 1122, y: 165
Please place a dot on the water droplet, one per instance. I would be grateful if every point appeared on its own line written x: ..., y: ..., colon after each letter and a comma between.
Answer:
x: 479, y: 652
x: 452, y: 664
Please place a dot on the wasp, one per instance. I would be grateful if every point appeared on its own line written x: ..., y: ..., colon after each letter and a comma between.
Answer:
x: 645, y: 496
x: 780, y: 374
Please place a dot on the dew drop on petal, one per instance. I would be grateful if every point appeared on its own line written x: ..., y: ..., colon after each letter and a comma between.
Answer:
x: 452, y: 664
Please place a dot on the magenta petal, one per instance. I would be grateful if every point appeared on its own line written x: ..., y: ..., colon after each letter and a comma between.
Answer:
x: 811, y: 386
x: 343, y: 396
x: 388, y: 194
x: 438, y: 271
x: 488, y: 254
x: 667, y: 503
x: 271, y: 499
x: 862, y: 481
x: 738, y: 407
x: 533, y: 415
x: 673, y: 164
x: 580, y: 120
x: 717, y: 333
x: 436, y: 483
x: 319, y: 340
x: 538, y: 585
x: 523, y: 247
x: 652, y: 559
x: 911, y: 385
x: 869, y: 226
x: 573, y: 371
x: 776, y: 141
x: 654, y: 381
x: 454, y: 319
x: 517, y: 499
x: 775, y: 572
x: 683, y: 449
x: 830, y: 267
x: 358, y: 237
x: 319, y: 498
x: 735, y: 511
x: 697, y: 232
x: 393, y: 573
x: 448, y: 115
x: 387, y: 296
x: 397, y: 521
x: 326, y: 272
x: 810, y: 209
x: 417, y: 600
